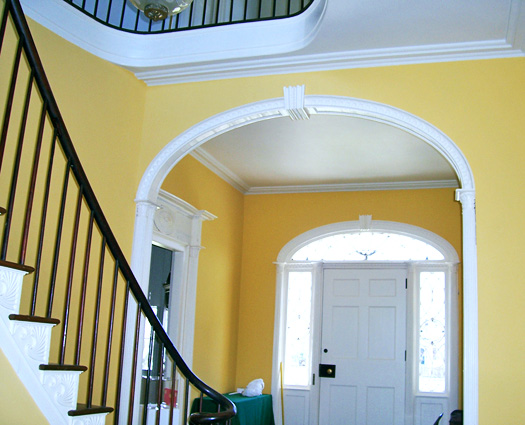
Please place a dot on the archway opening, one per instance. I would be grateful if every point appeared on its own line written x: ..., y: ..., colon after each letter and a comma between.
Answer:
x: 330, y: 105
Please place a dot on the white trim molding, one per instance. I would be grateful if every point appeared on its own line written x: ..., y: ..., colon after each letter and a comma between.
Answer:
x: 200, y: 133
x: 251, y: 49
x: 309, y: 395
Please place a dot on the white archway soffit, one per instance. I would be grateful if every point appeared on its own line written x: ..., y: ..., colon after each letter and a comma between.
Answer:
x: 313, y: 104
x: 441, y: 244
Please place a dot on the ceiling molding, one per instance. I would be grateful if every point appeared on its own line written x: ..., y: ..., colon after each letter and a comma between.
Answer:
x: 254, y: 49
x: 234, y: 180
x: 354, y: 187
x: 220, y: 169
x: 331, y: 61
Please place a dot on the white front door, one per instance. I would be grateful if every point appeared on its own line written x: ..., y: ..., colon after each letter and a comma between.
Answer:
x: 364, y: 346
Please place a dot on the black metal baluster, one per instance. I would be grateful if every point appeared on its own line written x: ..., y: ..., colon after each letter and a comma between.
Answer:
x: 3, y: 25
x: 110, y: 334
x: 134, y: 365
x: 127, y: 294
x: 9, y: 103
x: 108, y: 11
x: 82, y: 305
x: 123, y: 10
x: 137, y: 20
x: 95, y: 12
x: 172, y: 393
x: 16, y: 168
x: 32, y: 184
x: 204, y: 11
x: 185, y: 411
x: 148, y: 374
x: 217, y: 9
x: 274, y: 8
x: 245, y: 9
x: 96, y: 324
x: 43, y: 217
x: 72, y: 256
x: 190, y: 19
x: 160, y: 362
x: 58, y: 238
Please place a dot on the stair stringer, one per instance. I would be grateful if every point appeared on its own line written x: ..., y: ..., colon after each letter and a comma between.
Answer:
x: 26, y: 346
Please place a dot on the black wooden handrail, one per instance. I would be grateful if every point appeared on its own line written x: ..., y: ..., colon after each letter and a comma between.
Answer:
x: 109, y: 244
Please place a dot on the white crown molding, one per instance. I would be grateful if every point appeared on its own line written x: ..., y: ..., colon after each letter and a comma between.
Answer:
x: 220, y: 169
x: 354, y: 187
x: 331, y: 61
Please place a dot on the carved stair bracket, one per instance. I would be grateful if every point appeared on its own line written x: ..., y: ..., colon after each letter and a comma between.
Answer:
x: 97, y: 419
x: 34, y: 339
x: 10, y: 289
x: 62, y: 386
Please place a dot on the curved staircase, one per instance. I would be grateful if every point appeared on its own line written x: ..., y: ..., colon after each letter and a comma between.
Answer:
x: 72, y: 324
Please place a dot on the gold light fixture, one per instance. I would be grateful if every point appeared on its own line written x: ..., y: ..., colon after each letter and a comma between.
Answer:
x: 157, y: 10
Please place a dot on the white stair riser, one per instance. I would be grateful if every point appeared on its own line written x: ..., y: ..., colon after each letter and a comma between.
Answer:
x: 97, y: 419
x: 11, y: 281
x: 34, y: 339
x: 62, y: 386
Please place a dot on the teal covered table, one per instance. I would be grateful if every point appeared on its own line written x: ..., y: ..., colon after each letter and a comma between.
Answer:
x: 250, y: 410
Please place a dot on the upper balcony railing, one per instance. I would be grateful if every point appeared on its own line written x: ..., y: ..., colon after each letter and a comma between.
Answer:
x: 123, y: 15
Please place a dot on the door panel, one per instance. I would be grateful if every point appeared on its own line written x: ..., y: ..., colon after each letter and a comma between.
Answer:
x: 364, y: 335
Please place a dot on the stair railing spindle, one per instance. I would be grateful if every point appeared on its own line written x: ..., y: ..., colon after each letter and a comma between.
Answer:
x: 82, y: 304
x: 58, y: 238
x: 32, y: 184
x: 72, y: 257
x: 43, y: 217
x: 160, y: 362
x: 110, y: 334
x: 122, y: 350
x: 16, y: 168
x: 96, y: 324
x: 8, y: 108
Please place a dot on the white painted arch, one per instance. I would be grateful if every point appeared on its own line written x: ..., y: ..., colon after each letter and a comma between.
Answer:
x: 200, y: 133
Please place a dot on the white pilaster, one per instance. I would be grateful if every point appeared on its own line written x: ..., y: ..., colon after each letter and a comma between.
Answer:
x: 470, y: 306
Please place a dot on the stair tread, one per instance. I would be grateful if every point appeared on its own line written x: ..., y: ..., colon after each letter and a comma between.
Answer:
x: 17, y: 266
x: 63, y: 367
x: 37, y: 319
x: 82, y: 410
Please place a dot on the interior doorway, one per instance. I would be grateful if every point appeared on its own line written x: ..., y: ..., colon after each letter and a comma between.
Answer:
x: 369, y: 321
x: 363, y: 346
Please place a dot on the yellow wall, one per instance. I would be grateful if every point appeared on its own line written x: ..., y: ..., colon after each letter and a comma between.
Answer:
x: 479, y: 104
x: 271, y: 221
x: 217, y: 312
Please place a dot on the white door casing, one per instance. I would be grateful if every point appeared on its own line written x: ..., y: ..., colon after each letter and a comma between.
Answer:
x: 200, y: 133
x: 363, y: 344
x: 420, y: 407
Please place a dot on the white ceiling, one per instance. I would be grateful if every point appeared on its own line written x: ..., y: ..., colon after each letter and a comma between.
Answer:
x: 325, y: 152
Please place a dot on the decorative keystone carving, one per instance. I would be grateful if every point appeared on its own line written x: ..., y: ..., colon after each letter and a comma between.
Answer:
x: 294, y: 103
